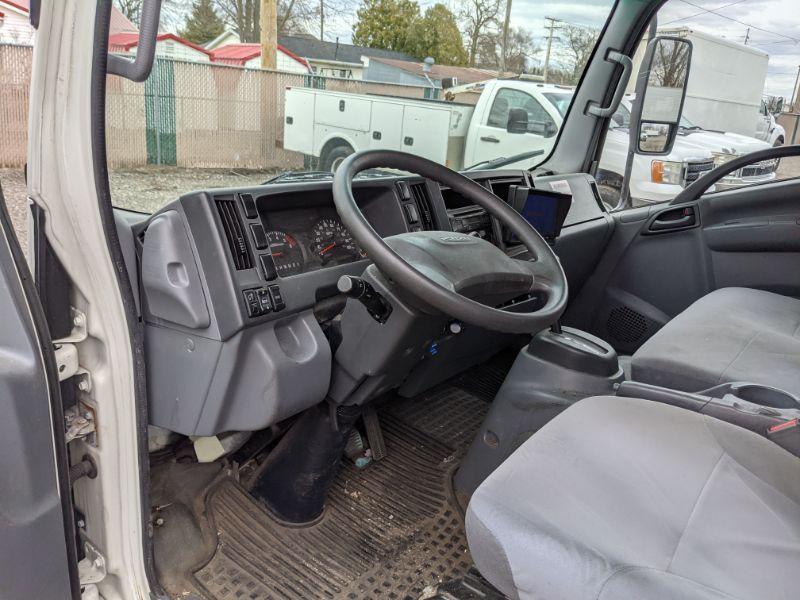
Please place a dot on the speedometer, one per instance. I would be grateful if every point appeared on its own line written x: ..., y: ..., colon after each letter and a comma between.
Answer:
x: 286, y: 253
x: 331, y: 242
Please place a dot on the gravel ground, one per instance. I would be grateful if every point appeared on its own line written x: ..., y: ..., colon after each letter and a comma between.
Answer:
x: 147, y: 189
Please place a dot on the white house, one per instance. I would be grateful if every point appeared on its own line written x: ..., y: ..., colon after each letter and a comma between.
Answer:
x: 15, y: 26
x: 168, y: 45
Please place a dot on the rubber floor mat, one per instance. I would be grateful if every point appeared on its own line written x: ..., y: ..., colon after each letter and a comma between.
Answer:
x: 389, y: 531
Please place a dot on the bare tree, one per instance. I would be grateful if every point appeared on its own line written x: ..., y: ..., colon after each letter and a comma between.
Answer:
x: 579, y: 41
x: 173, y: 12
x: 669, y: 64
x: 294, y: 16
x: 520, y: 50
x: 479, y: 19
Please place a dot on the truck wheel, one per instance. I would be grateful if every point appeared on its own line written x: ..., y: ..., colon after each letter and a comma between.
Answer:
x: 778, y: 142
x: 331, y: 159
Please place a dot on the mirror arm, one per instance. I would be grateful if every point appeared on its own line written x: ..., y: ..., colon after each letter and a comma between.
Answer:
x: 593, y: 108
x: 139, y: 68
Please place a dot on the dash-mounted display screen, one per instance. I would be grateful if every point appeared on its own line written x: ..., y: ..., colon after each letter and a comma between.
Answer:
x: 543, y: 209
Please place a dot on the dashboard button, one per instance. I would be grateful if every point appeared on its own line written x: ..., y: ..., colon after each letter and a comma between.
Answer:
x: 412, y: 215
x: 277, y: 298
x: 268, y: 264
x: 249, y: 205
x: 259, y: 236
x: 265, y: 301
x: 252, y: 302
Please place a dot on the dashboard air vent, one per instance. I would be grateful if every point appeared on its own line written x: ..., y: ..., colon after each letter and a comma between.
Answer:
x: 419, y: 191
x: 234, y: 232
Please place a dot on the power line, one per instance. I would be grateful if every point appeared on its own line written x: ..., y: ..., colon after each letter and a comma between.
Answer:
x: 703, y: 12
x: 713, y: 11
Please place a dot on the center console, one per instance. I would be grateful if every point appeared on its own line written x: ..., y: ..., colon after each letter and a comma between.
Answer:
x: 558, y: 368
x: 768, y: 411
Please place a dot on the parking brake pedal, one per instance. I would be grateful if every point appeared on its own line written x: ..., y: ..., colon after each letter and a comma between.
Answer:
x: 374, y: 433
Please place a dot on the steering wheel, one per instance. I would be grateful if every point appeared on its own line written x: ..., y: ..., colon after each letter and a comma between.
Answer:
x: 439, y: 267
x: 699, y: 187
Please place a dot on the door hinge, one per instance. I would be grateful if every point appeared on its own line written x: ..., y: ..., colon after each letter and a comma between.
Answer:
x: 66, y: 353
x: 79, y: 423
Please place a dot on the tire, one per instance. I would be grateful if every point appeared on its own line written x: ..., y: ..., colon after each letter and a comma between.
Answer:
x: 778, y: 142
x: 331, y: 159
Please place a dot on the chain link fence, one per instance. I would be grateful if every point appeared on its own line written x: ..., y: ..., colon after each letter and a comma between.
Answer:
x: 186, y: 114
x: 15, y: 76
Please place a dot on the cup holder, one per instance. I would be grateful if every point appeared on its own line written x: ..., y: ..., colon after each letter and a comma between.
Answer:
x: 765, y: 396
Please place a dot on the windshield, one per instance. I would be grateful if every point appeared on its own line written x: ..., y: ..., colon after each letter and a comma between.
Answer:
x: 463, y: 84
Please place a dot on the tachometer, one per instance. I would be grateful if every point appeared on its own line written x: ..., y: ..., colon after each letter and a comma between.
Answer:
x: 331, y: 242
x: 286, y: 253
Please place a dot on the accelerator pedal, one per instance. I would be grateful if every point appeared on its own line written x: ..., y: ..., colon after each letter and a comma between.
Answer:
x: 374, y: 433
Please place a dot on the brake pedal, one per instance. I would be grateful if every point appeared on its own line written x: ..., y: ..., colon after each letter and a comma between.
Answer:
x: 374, y: 433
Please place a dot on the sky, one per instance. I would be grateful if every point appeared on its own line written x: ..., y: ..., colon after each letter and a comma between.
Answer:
x: 774, y: 26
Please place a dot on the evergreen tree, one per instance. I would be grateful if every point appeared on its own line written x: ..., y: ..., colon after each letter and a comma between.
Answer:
x: 436, y: 34
x: 385, y: 24
x: 203, y: 24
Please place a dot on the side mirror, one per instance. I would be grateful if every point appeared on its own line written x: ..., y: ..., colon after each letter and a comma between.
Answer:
x: 661, y: 95
x: 778, y: 107
x: 517, y: 121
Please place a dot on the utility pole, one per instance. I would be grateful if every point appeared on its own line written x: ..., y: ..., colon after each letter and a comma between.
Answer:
x: 505, y: 38
x: 552, y: 28
x: 321, y: 20
x: 269, y: 34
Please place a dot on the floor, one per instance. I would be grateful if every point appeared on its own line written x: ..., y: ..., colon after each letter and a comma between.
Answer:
x: 392, y: 530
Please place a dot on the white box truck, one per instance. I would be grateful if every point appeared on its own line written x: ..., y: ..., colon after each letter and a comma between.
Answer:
x: 726, y: 82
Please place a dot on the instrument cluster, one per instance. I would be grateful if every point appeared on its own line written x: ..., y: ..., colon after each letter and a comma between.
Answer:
x: 303, y: 240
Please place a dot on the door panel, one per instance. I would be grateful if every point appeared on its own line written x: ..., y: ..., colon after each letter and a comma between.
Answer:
x: 36, y: 526
x: 662, y: 258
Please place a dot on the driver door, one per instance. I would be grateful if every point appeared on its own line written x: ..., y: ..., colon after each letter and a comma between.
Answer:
x: 37, y: 531
x: 493, y: 139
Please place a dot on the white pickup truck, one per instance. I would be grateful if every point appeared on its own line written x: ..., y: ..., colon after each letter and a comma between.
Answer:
x: 332, y: 125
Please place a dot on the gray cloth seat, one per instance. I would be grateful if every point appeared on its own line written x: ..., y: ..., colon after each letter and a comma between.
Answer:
x: 620, y: 498
x: 731, y: 334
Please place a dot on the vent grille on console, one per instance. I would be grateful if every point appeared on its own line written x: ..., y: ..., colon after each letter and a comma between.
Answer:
x: 234, y: 232
x: 420, y: 193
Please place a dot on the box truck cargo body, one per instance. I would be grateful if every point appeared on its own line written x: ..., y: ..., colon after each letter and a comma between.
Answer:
x: 726, y: 81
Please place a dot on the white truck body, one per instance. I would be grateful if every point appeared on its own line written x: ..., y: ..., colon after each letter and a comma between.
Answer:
x: 461, y: 135
x: 317, y: 121
x: 726, y: 82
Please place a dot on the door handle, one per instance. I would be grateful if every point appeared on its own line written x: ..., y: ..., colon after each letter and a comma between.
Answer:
x: 672, y: 223
x: 490, y: 138
x: 673, y: 220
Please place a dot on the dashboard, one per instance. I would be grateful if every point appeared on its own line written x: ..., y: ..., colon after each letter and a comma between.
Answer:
x: 238, y: 288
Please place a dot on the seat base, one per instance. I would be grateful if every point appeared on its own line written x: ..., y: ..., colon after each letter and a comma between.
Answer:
x: 626, y: 498
x: 731, y: 334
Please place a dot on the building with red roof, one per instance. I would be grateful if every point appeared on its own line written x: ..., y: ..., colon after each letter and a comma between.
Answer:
x: 168, y: 45
x: 249, y: 56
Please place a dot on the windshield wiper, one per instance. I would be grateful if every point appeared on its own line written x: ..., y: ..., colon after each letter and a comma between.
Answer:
x: 299, y: 176
x: 290, y: 176
x: 504, y: 160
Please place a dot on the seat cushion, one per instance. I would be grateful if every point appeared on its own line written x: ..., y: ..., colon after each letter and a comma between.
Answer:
x: 620, y: 498
x: 732, y: 334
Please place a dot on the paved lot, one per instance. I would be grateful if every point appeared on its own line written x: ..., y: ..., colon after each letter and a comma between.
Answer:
x: 147, y: 189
